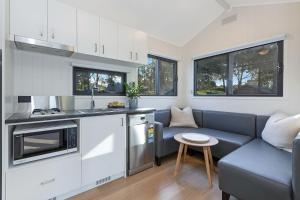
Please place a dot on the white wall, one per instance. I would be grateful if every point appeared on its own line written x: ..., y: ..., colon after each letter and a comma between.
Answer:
x: 1, y: 23
x: 157, y: 47
x: 253, y: 23
x: 41, y: 74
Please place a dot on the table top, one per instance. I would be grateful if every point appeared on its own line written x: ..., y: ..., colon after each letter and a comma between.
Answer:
x: 212, y: 141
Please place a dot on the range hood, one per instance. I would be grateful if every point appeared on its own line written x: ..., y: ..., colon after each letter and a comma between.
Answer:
x: 40, y: 46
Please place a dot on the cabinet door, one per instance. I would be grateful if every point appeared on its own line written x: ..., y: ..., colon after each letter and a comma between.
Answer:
x: 29, y: 18
x: 103, y: 147
x: 87, y: 33
x: 61, y: 23
x: 140, y: 47
x: 44, y: 179
x: 125, y: 43
x: 108, y: 38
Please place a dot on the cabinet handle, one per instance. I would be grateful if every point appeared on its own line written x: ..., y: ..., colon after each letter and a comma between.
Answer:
x: 136, y: 56
x: 41, y: 34
x: 53, y: 36
x: 96, y: 47
x: 122, y: 121
x: 131, y: 55
x: 48, y: 181
x: 103, y: 49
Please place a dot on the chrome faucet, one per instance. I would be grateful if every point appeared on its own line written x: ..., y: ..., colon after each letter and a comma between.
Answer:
x: 92, y: 97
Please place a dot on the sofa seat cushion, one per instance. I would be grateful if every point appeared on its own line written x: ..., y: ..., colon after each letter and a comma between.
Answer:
x: 257, y: 171
x: 228, y: 141
x: 169, y: 144
x: 170, y: 132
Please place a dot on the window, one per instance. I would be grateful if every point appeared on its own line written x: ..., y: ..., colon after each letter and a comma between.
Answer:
x: 105, y: 83
x: 255, y: 71
x: 158, y: 77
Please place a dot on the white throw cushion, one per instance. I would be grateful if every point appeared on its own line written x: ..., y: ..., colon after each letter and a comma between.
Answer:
x: 281, y: 130
x: 182, y: 118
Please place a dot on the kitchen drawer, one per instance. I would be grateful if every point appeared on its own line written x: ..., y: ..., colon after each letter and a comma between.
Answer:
x: 44, y: 180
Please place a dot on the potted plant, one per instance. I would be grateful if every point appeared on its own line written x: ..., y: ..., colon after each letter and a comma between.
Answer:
x: 133, y: 92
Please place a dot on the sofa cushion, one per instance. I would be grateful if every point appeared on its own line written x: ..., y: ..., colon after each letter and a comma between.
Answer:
x: 281, y: 130
x: 163, y: 116
x: 261, y: 121
x: 170, y: 145
x: 198, y: 117
x: 257, y: 171
x: 239, y: 123
x: 182, y: 117
x: 228, y: 142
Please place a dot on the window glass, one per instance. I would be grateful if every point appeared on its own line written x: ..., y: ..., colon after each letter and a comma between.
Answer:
x: 158, y: 77
x: 255, y: 71
x: 166, y: 86
x: 146, y: 76
x: 211, y: 76
x: 106, y: 83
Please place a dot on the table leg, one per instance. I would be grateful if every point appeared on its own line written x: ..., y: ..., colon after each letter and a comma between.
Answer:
x: 178, y: 158
x: 184, y: 152
x: 211, y: 159
x: 206, y: 158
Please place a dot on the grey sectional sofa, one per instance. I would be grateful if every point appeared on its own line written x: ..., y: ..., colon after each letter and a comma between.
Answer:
x: 249, y: 168
x: 231, y: 129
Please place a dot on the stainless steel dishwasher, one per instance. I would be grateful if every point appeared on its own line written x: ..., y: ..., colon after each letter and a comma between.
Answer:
x: 140, y: 143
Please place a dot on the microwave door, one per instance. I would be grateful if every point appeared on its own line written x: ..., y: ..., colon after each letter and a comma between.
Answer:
x: 39, y: 145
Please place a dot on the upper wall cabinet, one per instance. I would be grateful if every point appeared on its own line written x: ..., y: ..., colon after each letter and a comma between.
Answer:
x: 140, y: 47
x: 125, y: 43
x: 132, y: 45
x: 61, y: 23
x: 87, y: 33
x: 29, y: 18
x: 108, y: 38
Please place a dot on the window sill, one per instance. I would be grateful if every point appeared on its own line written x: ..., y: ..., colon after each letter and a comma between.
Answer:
x: 159, y: 97
x: 241, y: 98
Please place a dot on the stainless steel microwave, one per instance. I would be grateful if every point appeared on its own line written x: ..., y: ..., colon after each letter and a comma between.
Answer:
x: 38, y: 141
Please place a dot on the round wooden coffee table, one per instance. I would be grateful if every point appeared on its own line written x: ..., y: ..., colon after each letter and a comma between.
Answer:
x: 206, y: 150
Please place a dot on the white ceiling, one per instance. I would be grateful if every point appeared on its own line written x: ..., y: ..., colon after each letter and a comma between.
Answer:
x: 173, y: 21
x: 238, y: 3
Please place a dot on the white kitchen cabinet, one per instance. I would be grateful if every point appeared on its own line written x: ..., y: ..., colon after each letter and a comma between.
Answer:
x: 103, y: 147
x: 61, y: 23
x: 140, y: 46
x: 132, y: 45
x: 88, y: 33
x: 44, y: 179
x: 108, y: 38
x: 125, y: 43
x: 29, y: 18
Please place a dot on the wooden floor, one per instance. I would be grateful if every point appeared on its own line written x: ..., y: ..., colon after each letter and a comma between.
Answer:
x: 159, y: 183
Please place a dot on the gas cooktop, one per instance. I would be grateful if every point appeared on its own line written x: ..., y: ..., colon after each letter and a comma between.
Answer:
x: 46, y: 112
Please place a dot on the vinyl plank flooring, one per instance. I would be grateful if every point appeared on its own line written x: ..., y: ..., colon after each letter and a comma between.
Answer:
x: 159, y: 183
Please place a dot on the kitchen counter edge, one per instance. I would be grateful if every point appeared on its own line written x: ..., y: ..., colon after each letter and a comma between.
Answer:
x: 18, y: 118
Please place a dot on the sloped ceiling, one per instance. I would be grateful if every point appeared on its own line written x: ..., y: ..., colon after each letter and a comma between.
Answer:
x: 173, y: 21
x: 238, y: 3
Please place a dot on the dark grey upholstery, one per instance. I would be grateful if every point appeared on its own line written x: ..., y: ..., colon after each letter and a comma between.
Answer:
x: 296, y: 168
x: 163, y: 116
x: 257, y: 171
x: 261, y: 121
x: 231, y: 122
x: 198, y: 117
x: 228, y: 133
x: 228, y: 142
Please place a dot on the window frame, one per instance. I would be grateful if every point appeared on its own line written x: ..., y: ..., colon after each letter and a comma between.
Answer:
x: 157, y: 76
x: 99, y: 71
x: 280, y: 76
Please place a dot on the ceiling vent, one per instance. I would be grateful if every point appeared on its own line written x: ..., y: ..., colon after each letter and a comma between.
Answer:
x: 230, y: 19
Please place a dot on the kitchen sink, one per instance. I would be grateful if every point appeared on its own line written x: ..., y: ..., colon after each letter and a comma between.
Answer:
x: 98, y: 110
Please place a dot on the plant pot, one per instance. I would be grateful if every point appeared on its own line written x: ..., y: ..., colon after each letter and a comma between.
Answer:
x: 133, y: 103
